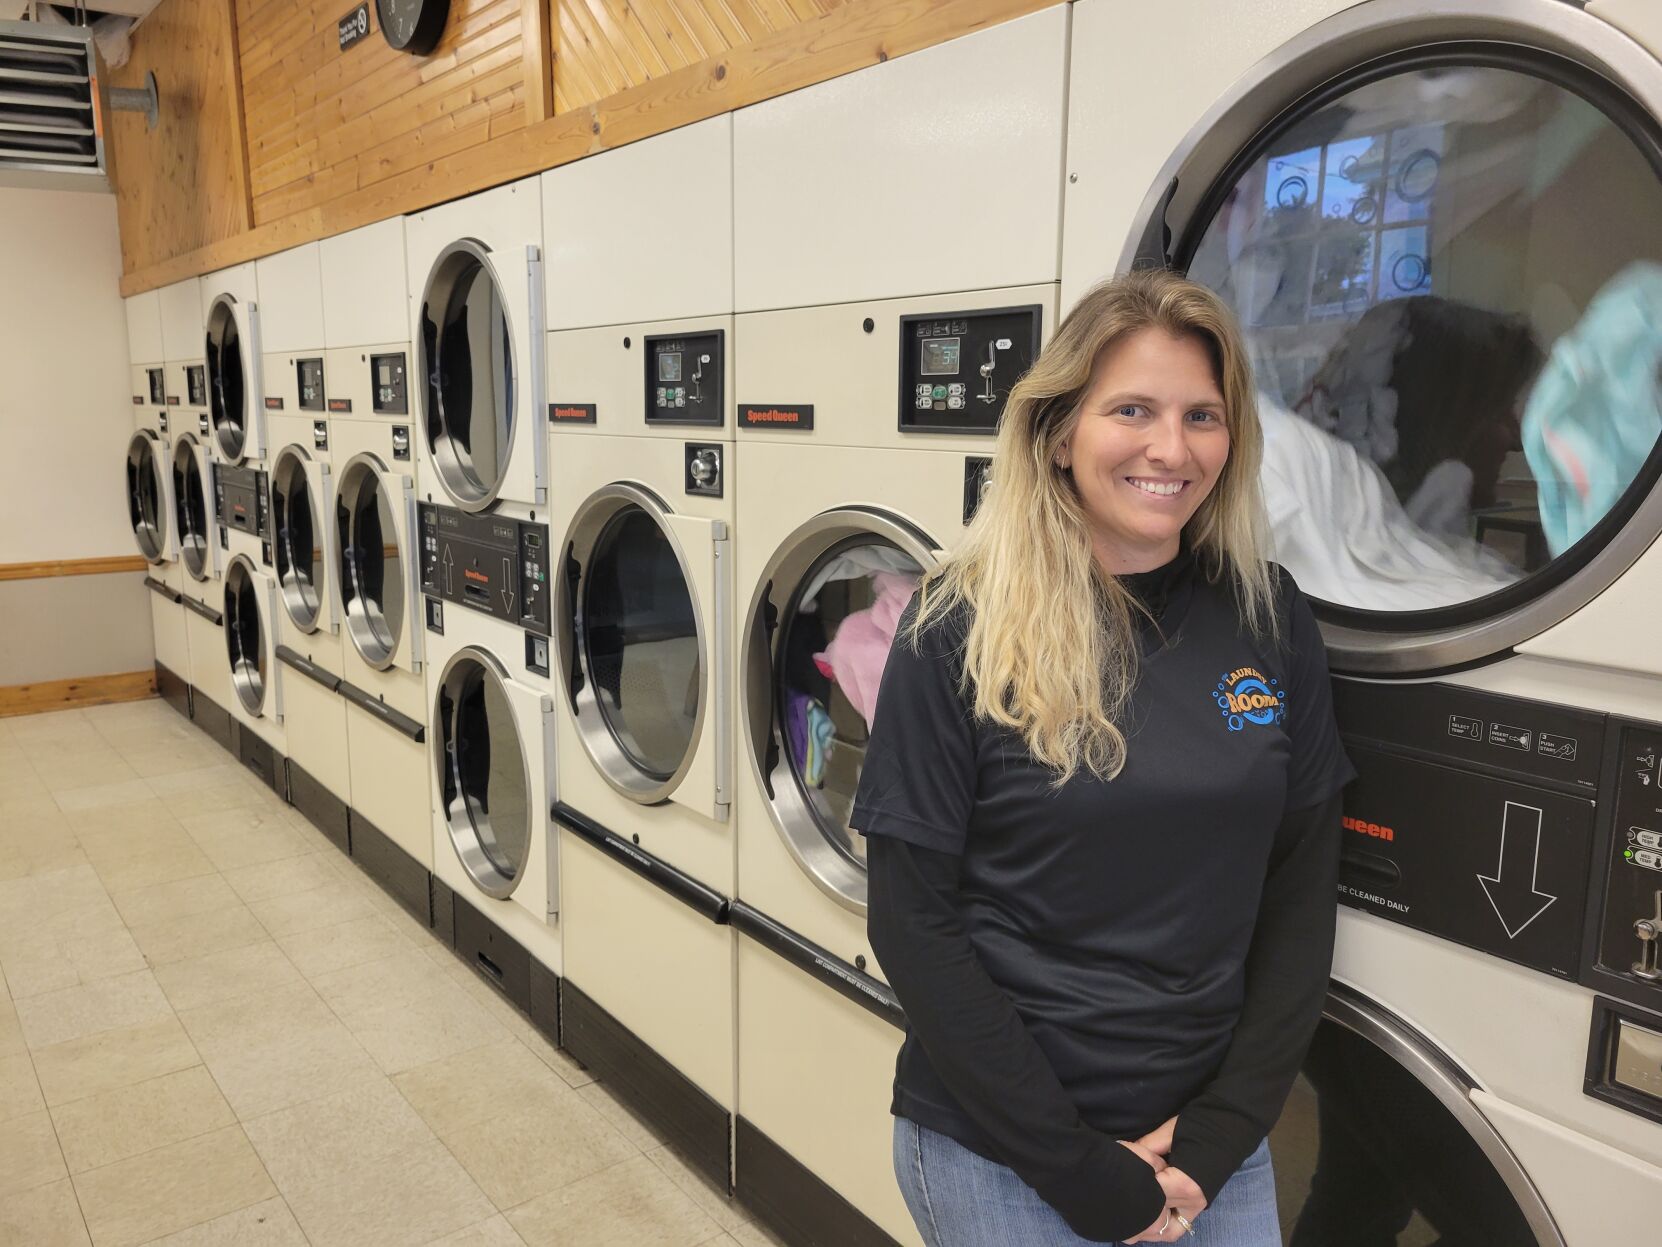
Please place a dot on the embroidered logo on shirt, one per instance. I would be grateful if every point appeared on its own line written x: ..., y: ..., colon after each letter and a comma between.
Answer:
x: 1246, y: 695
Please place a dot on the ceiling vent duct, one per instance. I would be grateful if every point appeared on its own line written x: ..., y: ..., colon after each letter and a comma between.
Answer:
x: 54, y: 108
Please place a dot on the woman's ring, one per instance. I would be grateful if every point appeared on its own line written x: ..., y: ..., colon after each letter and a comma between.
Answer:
x: 1188, y: 1226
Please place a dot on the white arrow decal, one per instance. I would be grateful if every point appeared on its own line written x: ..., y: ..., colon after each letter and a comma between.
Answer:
x: 1520, y: 839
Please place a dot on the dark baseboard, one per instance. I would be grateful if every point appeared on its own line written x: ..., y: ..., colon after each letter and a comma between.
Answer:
x: 174, y: 690
x: 268, y: 766
x: 545, y: 1001
x: 792, y: 1202
x: 697, y: 1125
x: 493, y: 955
x: 213, y: 719
x: 403, y: 878
x: 444, y: 912
x: 324, y: 809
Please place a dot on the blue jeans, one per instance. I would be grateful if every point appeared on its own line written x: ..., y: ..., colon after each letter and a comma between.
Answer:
x: 959, y: 1199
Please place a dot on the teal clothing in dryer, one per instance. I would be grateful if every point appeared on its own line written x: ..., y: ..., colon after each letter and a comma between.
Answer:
x: 1593, y: 416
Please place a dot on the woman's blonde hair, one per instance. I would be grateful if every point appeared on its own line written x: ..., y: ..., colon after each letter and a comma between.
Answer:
x: 1052, y: 646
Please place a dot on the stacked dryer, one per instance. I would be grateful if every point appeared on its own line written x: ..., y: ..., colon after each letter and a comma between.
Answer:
x: 368, y: 371
x: 475, y: 276
x: 1457, y: 349
x: 196, y: 522
x: 872, y: 373
x: 149, y: 478
x: 641, y: 453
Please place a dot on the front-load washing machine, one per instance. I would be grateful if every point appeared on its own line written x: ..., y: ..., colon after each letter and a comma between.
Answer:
x: 201, y: 587
x: 149, y: 474
x: 867, y: 405
x: 367, y: 374
x: 490, y: 737
x: 644, y: 487
x: 232, y: 349
x: 1440, y: 226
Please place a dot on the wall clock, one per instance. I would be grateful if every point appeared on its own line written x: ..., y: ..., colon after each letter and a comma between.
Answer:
x: 412, y: 26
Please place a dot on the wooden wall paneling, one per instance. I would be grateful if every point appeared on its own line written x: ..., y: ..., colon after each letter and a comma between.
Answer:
x: 184, y: 185
x: 538, y: 78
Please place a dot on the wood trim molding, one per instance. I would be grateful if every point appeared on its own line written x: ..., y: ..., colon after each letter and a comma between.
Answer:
x: 536, y: 32
x: 92, y: 690
x: 853, y: 36
x: 73, y: 567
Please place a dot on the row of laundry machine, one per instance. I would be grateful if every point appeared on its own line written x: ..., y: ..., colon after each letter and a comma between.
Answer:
x: 545, y: 548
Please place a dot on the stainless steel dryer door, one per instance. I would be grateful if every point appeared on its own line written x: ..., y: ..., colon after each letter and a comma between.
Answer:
x: 236, y: 396
x: 808, y: 688
x: 149, y: 497
x: 374, y: 533
x: 251, y: 639
x: 300, y: 512
x: 1440, y: 226
x: 642, y: 643
x: 193, y: 515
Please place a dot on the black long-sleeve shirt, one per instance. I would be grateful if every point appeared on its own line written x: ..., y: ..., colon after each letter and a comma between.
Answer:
x: 1079, y: 964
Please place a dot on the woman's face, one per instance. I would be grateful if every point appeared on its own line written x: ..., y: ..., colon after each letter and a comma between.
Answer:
x: 1148, y: 447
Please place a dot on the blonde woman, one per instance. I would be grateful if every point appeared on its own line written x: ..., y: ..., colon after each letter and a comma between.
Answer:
x: 1101, y: 802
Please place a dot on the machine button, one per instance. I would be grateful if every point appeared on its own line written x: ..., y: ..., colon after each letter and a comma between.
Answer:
x: 956, y: 402
x: 940, y: 391
x: 1649, y: 839
x: 1648, y: 859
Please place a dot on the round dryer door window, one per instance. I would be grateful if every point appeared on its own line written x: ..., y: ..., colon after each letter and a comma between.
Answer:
x: 371, y: 564
x: 190, y: 507
x: 297, y: 522
x: 484, y: 779
x: 468, y: 361
x: 1379, y: 1143
x: 245, y: 639
x: 1448, y: 268
x: 638, y: 687
x: 146, y: 496
x: 833, y: 596
x: 227, y: 380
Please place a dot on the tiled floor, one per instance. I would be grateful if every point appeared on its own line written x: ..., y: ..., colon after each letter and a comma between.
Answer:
x: 214, y: 1029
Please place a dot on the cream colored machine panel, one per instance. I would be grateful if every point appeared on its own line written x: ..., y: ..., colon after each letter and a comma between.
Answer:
x: 612, y: 205
x: 594, y: 366
x: 1640, y: 19
x: 182, y: 327
x: 291, y: 300
x: 144, y: 328
x: 365, y: 295
x: 241, y: 281
x: 839, y: 188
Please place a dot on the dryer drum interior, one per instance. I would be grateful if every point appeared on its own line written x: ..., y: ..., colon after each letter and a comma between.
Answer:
x: 824, y: 622
x: 296, y: 517
x: 637, y: 672
x: 146, y: 497
x: 468, y: 363
x: 245, y: 640
x: 1446, y: 264
x: 227, y: 383
x: 483, y: 772
x: 371, y: 564
x: 190, y: 504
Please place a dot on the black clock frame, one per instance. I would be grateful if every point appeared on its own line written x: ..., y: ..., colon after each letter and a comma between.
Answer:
x: 429, y: 24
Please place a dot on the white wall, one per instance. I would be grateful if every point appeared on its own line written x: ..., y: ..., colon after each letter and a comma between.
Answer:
x: 65, y: 409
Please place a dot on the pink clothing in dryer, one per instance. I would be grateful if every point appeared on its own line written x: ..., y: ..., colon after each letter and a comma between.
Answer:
x: 856, y: 656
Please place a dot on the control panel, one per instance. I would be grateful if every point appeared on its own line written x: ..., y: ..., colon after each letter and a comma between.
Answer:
x: 196, y: 385
x: 240, y: 499
x: 388, y: 376
x: 309, y: 380
x: 492, y: 564
x: 684, y: 379
x: 957, y: 368
x: 1630, y: 937
x: 158, y: 387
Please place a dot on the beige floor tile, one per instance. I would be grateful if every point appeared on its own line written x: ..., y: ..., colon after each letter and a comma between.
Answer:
x: 27, y: 903
x: 145, y: 867
x: 73, y: 770
x: 69, y: 949
x: 268, y: 1223
x: 97, y: 795
x: 493, y: 1233
x: 324, y: 950
x: 29, y: 1155
x: 179, y: 899
x: 196, y: 935
x: 226, y: 974
x: 75, y: 1012
x: 406, y: 1012
x: 326, y: 906
x: 406, y: 1197
x: 629, y: 1205
x: 523, y: 1152
x: 246, y: 838
x: 219, y: 773
x: 37, y: 847
x: 128, y: 1121
x: 171, y: 759
x: 172, y: 1188
x: 11, y: 1032
x: 713, y: 1200
x: 48, y: 1216
x: 234, y: 793
x: 19, y: 1088
x: 302, y: 1146
x: 621, y: 1117
x: 130, y: 818
x: 447, y: 1092
x: 115, y: 1058
x: 752, y: 1234
x: 269, y: 880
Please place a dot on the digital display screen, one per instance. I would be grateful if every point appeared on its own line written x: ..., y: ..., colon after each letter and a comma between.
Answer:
x: 669, y: 366
x: 941, y: 357
x: 383, y: 373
